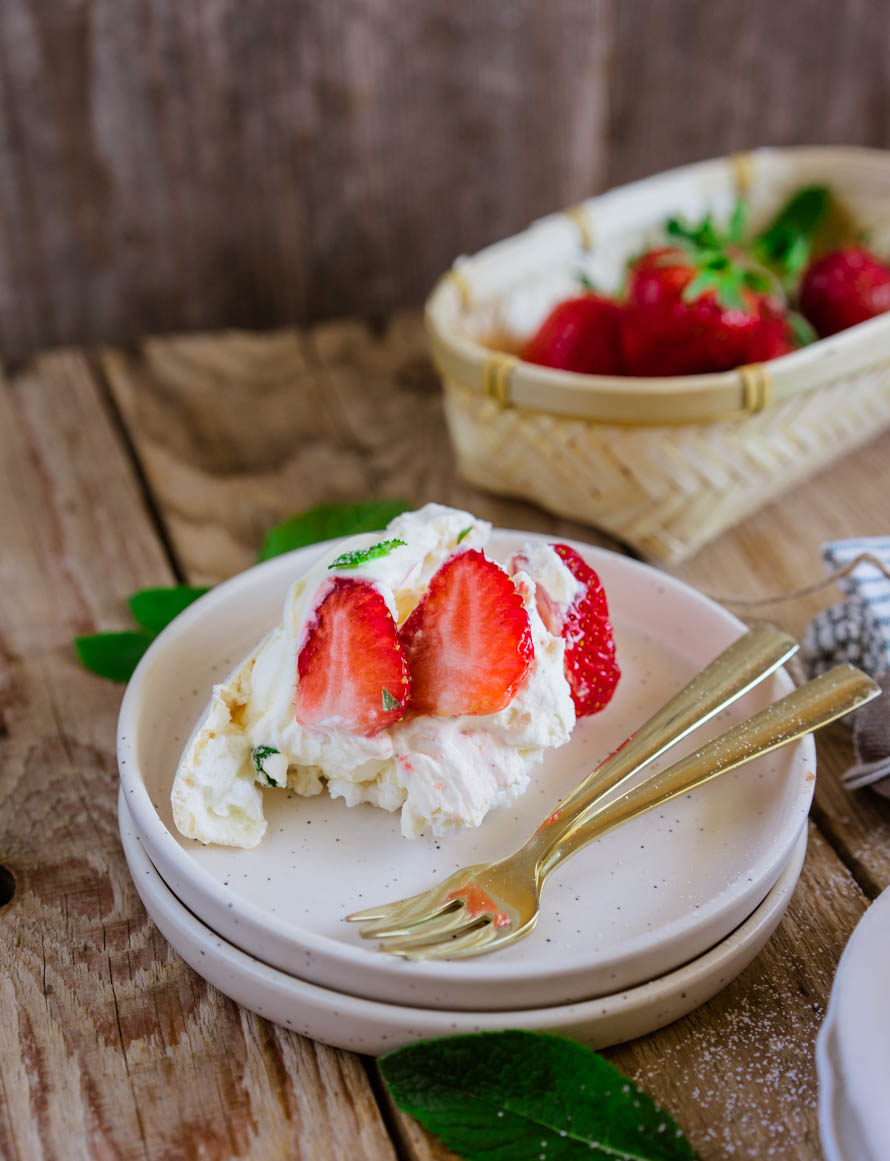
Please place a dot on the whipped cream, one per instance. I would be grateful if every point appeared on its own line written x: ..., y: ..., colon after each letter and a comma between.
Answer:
x: 442, y: 773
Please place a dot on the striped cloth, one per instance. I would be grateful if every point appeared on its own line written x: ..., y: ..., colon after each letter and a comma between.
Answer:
x: 858, y: 629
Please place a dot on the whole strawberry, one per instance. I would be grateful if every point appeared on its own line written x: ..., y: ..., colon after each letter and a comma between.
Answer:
x: 580, y: 334
x: 843, y: 288
x: 778, y: 333
x: 677, y: 323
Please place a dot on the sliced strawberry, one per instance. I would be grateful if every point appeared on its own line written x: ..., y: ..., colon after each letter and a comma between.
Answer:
x: 590, y: 666
x: 353, y: 675
x: 468, y: 642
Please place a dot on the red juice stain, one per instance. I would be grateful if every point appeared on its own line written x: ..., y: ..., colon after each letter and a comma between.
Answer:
x: 477, y: 901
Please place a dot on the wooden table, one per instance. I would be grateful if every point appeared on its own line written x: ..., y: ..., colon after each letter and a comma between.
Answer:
x: 122, y: 469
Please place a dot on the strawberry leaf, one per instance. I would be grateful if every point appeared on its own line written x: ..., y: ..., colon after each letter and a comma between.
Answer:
x: 787, y: 241
x: 500, y: 1096
x: 328, y: 522
x: 803, y: 330
x: 112, y: 655
x: 738, y: 223
x: 154, y: 609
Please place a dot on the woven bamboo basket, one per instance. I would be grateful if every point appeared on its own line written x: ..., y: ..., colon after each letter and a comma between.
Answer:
x: 662, y: 464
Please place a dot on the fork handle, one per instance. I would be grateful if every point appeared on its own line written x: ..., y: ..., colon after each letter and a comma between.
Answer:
x: 820, y: 701
x: 737, y: 669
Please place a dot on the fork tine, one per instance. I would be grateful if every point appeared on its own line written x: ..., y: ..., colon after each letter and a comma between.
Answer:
x: 480, y: 935
x: 398, y: 907
x: 411, y: 919
x: 428, y: 929
x: 424, y: 901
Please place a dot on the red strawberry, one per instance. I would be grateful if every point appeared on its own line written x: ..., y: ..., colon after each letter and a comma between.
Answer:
x: 666, y: 330
x: 774, y: 335
x: 468, y: 642
x: 590, y: 666
x: 353, y: 674
x: 844, y: 288
x: 579, y: 334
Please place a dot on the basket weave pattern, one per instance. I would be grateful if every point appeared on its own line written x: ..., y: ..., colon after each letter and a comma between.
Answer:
x: 663, y: 464
x: 664, y: 490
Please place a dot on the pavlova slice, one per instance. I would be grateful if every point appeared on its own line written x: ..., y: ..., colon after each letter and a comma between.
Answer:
x: 409, y: 671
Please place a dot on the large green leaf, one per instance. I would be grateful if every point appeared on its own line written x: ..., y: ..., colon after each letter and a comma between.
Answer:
x: 512, y: 1096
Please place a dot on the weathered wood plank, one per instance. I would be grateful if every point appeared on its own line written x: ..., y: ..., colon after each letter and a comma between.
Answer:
x: 236, y: 432
x: 171, y: 166
x: 691, y: 80
x: 109, y: 1045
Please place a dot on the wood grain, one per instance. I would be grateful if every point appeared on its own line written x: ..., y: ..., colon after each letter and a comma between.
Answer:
x: 109, y: 1045
x: 691, y: 81
x: 168, y: 166
x: 176, y: 166
x: 739, y: 1074
x: 237, y: 432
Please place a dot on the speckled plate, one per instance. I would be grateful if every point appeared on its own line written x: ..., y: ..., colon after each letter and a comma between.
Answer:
x: 853, y: 1048
x: 372, y: 1027
x: 630, y: 907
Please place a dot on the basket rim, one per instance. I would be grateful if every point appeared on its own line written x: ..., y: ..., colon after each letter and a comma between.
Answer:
x: 640, y: 401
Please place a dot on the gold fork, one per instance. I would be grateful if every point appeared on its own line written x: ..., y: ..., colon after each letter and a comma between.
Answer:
x: 494, y: 905
x: 730, y: 675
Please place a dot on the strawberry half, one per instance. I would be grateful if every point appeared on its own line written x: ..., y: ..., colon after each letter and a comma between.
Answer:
x: 590, y: 666
x: 353, y: 675
x: 468, y: 642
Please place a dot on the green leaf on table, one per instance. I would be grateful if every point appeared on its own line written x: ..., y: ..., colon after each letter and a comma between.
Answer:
x: 328, y: 522
x: 154, y: 609
x: 501, y: 1096
x: 112, y: 655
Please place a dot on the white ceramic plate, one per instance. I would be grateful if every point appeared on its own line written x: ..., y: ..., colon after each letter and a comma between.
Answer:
x: 371, y: 1027
x: 853, y: 1048
x: 634, y: 905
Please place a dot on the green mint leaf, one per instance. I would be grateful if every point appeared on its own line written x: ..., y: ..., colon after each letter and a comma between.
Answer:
x: 464, y: 532
x: 363, y: 555
x: 501, y: 1096
x: 802, y: 329
x: 259, y: 755
x: 328, y: 522
x: 154, y: 609
x: 390, y: 702
x: 112, y: 655
x: 586, y: 282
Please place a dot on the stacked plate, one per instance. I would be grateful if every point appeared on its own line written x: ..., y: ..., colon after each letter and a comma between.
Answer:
x: 853, y: 1049
x: 637, y: 929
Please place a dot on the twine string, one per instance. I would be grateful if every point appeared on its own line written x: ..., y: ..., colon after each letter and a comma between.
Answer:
x: 862, y: 558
